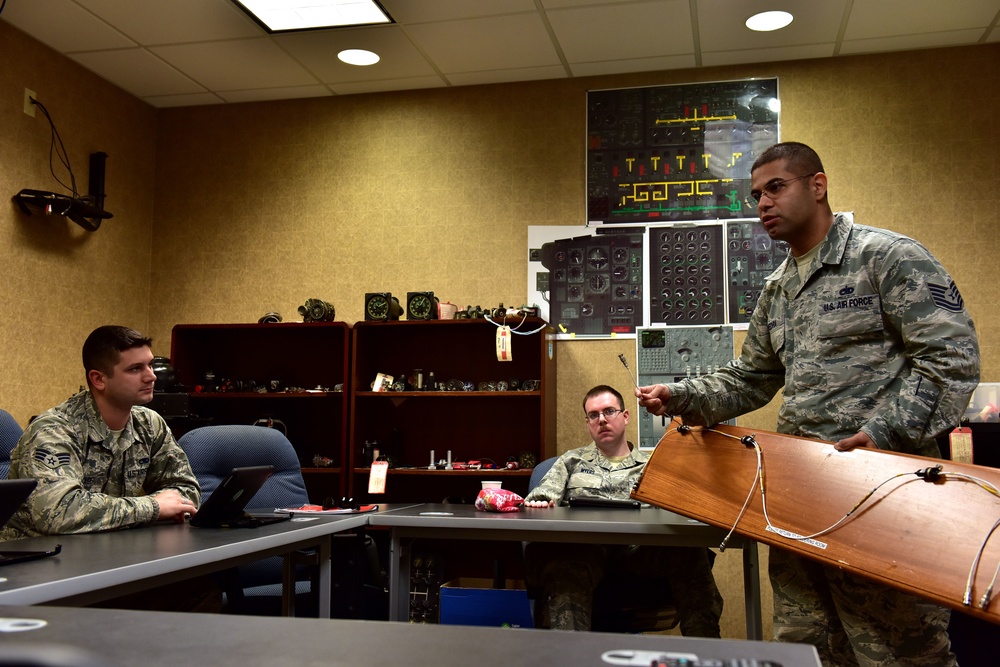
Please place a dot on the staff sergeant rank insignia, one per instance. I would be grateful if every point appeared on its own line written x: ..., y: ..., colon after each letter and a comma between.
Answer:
x: 51, y: 460
x: 947, y: 298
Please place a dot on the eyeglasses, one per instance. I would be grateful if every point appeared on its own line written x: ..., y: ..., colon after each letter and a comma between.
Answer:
x: 773, y: 189
x: 607, y: 413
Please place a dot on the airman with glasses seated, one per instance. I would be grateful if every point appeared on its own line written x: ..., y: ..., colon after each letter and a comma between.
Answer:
x: 568, y: 574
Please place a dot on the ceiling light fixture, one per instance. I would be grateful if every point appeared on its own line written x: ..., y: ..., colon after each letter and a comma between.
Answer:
x: 768, y: 21
x: 358, y: 57
x: 288, y: 15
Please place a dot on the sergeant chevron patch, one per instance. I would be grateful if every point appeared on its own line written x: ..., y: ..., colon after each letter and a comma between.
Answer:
x: 947, y: 298
x: 51, y: 460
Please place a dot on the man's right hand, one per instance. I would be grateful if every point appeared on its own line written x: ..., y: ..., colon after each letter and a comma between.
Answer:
x: 174, y: 506
x: 653, y: 397
x: 539, y: 503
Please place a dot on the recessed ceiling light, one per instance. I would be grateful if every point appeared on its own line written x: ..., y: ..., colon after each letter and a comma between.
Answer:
x: 358, y: 57
x: 768, y: 21
x: 285, y: 15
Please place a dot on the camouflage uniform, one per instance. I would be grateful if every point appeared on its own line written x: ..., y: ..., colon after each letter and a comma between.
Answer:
x: 89, y: 480
x: 568, y: 574
x: 877, y: 340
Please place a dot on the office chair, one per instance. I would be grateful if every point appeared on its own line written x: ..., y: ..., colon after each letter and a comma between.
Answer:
x: 213, y: 452
x: 623, y: 601
x: 10, y: 433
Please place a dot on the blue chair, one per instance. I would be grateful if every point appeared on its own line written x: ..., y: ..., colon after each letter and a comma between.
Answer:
x: 213, y: 452
x: 10, y: 433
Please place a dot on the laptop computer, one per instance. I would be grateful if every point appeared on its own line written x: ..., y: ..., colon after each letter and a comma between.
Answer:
x: 226, y: 506
x: 13, y: 492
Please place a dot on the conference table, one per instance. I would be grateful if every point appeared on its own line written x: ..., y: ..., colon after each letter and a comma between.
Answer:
x: 646, y: 526
x: 48, y: 636
x: 98, y: 566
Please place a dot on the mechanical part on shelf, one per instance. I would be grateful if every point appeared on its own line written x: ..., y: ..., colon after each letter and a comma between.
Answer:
x: 382, y: 306
x: 272, y: 317
x: 421, y: 306
x: 317, y: 310
x: 166, y: 375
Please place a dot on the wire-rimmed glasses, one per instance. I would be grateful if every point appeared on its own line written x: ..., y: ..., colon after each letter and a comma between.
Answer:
x: 773, y: 189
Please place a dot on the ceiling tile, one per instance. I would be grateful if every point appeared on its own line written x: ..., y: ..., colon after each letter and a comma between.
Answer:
x: 137, y: 71
x: 425, y: 11
x: 261, y: 94
x: 635, y: 65
x: 176, y: 21
x: 885, y: 18
x: 476, y: 45
x: 415, y: 83
x: 317, y: 51
x: 508, y: 75
x: 64, y: 25
x: 741, y: 57
x: 722, y: 24
x: 927, y: 40
x: 193, y: 100
x: 236, y: 65
x: 623, y: 32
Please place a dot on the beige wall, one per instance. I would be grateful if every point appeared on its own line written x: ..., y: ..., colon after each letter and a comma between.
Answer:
x: 224, y: 213
x: 58, y: 282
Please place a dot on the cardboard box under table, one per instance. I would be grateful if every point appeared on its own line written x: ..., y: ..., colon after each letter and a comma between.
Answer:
x: 472, y: 601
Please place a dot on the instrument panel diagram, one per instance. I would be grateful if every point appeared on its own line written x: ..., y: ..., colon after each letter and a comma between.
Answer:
x: 676, y: 153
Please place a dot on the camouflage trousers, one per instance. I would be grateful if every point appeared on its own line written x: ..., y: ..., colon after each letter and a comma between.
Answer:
x: 565, y: 576
x: 855, y: 621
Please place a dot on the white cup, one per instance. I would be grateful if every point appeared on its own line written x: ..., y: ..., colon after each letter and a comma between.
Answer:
x: 491, y: 485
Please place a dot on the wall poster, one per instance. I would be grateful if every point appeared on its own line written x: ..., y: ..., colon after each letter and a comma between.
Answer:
x: 677, y: 153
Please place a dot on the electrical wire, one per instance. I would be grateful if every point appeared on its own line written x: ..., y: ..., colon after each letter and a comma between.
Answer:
x: 514, y: 329
x: 56, y: 147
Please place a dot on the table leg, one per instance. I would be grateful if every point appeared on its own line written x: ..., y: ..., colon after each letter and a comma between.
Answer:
x: 751, y: 590
x: 399, y: 578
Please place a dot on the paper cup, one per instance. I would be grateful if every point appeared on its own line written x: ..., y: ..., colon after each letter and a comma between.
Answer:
x: 491, y: 485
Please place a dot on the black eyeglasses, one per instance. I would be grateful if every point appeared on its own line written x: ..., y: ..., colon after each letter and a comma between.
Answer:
x: 607, y: 413
x: 773, y: 189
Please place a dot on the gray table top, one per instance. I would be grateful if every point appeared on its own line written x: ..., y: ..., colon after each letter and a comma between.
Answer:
x: 102, y: 561
x: 111, y: 638
x: 585, y: 524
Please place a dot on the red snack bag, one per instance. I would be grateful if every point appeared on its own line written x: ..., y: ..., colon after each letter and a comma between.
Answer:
x: 498, y: 500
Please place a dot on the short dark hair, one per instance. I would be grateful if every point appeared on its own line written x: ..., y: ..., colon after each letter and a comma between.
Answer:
x: 603, y: 389
x: 104, y: 345
x: 798, y: 157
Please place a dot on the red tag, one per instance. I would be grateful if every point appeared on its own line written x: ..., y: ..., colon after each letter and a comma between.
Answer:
x: 960, y: 444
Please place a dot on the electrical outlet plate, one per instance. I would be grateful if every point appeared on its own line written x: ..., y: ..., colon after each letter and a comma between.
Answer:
x: 29, y: 107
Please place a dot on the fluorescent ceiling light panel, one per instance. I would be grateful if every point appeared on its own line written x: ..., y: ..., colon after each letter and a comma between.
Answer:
x: 285, y: 15
x: 768, y: 21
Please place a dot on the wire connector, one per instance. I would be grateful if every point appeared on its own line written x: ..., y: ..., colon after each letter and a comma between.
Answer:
x: 930, y: 474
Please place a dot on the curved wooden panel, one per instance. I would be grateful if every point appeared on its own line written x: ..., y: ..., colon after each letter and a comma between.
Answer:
x: 915, y: 535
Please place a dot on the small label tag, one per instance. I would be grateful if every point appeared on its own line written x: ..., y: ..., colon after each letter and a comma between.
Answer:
x: 382, y: 382
x: 960, y: 441
x: 504, y: 351
x: 376, y: 480
x: 795, y: 536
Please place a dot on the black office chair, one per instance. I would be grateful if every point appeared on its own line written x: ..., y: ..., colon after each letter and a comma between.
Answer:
x: 10, y: 433
x: 213, y: 452
x: 623, y: 602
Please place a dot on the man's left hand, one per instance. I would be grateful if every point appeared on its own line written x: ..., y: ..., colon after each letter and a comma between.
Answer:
x: 859, y: 439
